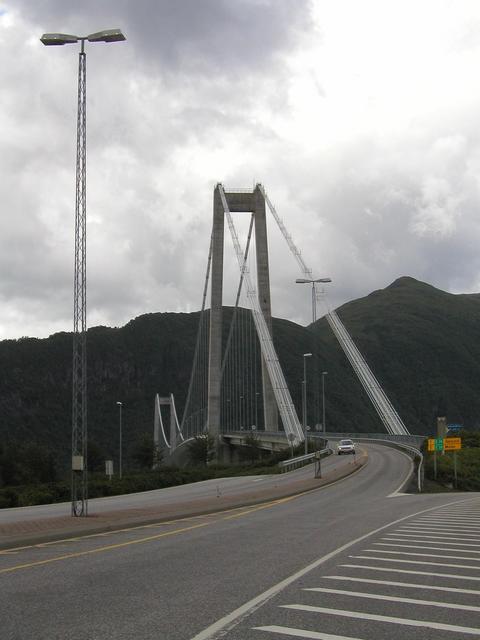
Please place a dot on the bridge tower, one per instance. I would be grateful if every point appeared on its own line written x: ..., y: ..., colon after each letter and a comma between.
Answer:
x: 238, y: 202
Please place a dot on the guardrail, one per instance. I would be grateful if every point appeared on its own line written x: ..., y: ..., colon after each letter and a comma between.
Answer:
x: 300, y: 461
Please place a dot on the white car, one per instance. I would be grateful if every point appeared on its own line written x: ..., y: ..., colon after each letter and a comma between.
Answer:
x: 345, y: 446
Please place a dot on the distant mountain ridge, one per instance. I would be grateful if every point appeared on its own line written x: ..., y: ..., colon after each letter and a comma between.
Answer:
x: 423, y: 345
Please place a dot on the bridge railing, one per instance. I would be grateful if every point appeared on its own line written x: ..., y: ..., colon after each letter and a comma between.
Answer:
x: 301, y: 461
x: 410, y: 439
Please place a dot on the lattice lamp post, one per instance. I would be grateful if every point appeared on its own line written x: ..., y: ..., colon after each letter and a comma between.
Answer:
x: 79, y: 370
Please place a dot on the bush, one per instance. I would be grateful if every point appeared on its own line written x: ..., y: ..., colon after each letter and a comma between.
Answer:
x: 468, y: 468
x: 8, y: 498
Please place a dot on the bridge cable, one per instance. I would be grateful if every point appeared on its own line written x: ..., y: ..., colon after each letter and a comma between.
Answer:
x: 385, y: 410
x: 196, y: 380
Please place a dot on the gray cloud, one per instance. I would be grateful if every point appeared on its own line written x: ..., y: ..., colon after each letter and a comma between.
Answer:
x: 205, y: 91
x: 214, y: 36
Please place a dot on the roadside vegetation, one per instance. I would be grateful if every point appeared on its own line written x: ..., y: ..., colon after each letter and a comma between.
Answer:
x: 29, y: 473
x: 468, y: 466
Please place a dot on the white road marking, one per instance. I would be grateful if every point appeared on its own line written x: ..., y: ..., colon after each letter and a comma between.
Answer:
x: 432, y: 537
x: 370, y: 616
x: 422, y: 546
x: 423, y: 555
x: 441, y: 541
x: 397, y: 493
x: 303, y: 633
x: 234, y: 617
x: 411, y: 571
x: 377, y: 596
x: 410, y: 585
x: 446, y: 525
x: 440, y: 518
x: 429, y: 533
x: 434, y: 564
x: 438, y: 528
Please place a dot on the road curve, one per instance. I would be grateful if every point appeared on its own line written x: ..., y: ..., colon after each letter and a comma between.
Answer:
x: 174, y: 580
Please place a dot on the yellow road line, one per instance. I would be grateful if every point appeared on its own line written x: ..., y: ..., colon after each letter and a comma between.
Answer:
x: 119, y: 545
x: 264, y: 505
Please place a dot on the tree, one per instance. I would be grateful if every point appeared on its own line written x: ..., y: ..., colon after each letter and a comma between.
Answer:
x: 146, y: 455
x: 201, y: 450
x: 251, y: 450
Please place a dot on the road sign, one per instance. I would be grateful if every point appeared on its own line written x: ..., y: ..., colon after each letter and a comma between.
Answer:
x: 452, y: 444
x: 444, y: 444
x: 455, y: 427
x: 436, y: 444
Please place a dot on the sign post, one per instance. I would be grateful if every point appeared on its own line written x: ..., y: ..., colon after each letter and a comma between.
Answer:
x: 318, y: 464
x: 444, y: 444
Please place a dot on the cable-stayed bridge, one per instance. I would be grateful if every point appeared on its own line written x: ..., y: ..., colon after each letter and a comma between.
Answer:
x: 236, y: 381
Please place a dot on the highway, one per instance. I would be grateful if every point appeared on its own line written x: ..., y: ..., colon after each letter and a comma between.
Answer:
x: 352, y: 560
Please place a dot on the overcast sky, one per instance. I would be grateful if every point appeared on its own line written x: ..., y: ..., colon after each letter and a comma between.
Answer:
x: 361, y: 119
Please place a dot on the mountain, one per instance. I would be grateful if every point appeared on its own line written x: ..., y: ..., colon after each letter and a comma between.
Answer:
x: 422, y: 344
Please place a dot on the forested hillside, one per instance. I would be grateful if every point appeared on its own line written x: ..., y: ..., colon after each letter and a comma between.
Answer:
x: 422, y: 344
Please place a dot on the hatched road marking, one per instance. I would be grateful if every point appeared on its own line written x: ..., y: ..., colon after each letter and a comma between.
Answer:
x: 370, y: 616
x: 377, y: 596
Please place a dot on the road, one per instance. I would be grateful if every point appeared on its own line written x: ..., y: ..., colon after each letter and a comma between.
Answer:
x: 172, y: 495
x: 299, y: 567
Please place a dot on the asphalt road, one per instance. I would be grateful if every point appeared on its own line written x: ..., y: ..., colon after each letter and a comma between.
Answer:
x: 296, y: 567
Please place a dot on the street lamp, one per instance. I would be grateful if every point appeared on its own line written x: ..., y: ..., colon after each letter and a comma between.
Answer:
x: 304, y: 398
x: 314, y: 292
x: 324, y: 428
x: 120, y: 405
x: 79, y: 476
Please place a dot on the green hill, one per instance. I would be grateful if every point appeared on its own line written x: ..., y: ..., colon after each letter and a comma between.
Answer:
x: 422, y: 344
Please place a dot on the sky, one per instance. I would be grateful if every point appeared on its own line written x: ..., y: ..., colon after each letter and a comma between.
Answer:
x: 361, y: 120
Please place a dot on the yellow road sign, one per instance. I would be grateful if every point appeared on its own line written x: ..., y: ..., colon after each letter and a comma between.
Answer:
x: 452, y: 444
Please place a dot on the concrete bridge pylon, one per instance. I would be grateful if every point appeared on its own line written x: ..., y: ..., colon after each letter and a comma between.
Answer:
x: 245, y: 202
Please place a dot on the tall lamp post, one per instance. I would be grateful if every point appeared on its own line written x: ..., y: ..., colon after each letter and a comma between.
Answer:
x: 120, y: 439
x: 304, y: 399
x: 324, y: 427
x: 314, y: 292
x: 314, y: 282
x: 79, y: 490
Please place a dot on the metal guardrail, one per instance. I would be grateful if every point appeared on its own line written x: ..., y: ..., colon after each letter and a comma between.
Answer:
x: 412, y: 440
x: 300, y: 461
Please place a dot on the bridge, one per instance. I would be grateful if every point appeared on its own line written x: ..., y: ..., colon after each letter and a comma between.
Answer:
x: 236, y: 382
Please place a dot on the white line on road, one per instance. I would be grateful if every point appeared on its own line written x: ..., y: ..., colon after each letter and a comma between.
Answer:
x: 438, y: 528
x: 377, y: 596
x: 409, y: 585
x: 433, y: 537
x: 417, y: 573
x: 441, y: 541
x: 435, y: 564
x: 423, y: 555
x: 422, y: 546
x: 234, y: 617
x: 303, y: 633
x: 449, y: 519
x: 370, y: 616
